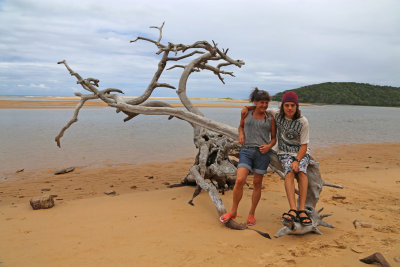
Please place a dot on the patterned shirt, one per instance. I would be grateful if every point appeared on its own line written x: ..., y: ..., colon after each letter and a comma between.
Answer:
x: 291, y: 134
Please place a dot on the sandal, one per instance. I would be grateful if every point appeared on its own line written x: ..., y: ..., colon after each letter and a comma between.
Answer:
x: 251, y: 220
x: 226, y: 217
x: 292, y: 217
x: 305, y: 218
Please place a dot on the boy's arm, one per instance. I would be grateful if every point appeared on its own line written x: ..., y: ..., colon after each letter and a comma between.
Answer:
x: 245, y: 111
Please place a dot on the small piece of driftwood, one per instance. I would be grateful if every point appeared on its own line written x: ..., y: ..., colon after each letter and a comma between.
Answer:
x: 43, y: 202
x: 376, y: 258
x: 70, y: 169
x: 338, y: 197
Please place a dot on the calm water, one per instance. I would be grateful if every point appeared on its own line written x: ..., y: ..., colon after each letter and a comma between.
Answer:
x: 101, y: 137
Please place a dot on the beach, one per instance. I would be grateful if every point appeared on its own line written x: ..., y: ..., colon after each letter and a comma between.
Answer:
x: 148, y: 224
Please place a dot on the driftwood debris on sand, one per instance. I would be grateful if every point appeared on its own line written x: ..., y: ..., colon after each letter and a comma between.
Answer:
x: 42, y: 202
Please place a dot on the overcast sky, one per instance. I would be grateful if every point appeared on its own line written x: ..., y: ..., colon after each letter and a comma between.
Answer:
x: 285, y: 44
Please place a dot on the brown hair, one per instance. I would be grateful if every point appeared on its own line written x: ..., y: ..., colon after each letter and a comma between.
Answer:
x: 257, y: 95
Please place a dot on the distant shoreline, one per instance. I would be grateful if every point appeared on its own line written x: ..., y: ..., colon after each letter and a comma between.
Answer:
x: 61, y: 102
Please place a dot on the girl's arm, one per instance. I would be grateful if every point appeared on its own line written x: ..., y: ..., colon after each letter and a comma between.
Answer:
x: 273, y: 132
x: 241, y: 130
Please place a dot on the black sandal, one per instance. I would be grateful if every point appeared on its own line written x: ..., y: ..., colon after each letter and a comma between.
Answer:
x: 292, y: 217
x: 303, y: 219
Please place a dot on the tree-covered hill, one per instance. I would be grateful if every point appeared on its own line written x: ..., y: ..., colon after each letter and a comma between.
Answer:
x: 348, y: 93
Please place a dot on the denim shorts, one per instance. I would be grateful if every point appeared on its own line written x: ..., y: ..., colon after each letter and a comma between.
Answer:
x: 252, y: 159
x: 287, y: 160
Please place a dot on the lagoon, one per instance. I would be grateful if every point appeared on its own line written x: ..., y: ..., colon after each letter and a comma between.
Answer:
x: 100, y: 137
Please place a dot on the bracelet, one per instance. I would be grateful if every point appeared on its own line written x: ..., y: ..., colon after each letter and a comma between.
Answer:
x: 296, y: 159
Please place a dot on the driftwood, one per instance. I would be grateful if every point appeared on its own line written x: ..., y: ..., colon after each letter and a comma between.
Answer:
x: 43, y: 202
x: 67, y: 170
x: 213, y: 168
x: 376, y: 258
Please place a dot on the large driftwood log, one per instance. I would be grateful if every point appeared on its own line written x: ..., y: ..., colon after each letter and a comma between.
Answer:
x: 213, y: 168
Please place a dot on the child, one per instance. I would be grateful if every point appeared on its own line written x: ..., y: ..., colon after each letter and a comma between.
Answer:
x: 257, y: 134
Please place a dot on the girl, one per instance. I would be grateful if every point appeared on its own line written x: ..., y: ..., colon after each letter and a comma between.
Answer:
x: 257, y: 135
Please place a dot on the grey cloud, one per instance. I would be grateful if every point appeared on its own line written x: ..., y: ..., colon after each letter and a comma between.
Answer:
x: 285, y: 44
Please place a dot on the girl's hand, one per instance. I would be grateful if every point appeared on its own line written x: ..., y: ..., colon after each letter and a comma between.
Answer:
x: 241, y: 139
x: 264, y: 149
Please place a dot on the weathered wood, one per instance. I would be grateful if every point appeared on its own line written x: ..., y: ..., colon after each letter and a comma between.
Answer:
x: 213, y: 168
x: 376, y: 258
x: 42, y: 202
x: 67, y: 170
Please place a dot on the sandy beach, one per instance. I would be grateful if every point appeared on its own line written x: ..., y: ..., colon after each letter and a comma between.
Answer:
x: 148, y: 224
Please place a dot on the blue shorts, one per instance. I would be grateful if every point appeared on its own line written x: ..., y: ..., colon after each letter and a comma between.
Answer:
x: 252, y: 159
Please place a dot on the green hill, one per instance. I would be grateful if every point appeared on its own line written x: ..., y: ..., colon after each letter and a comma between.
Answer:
x: 348, y: 93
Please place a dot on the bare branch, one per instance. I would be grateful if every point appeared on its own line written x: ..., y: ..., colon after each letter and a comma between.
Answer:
x: 223, y: 64
x: 182, y: 114
x: 109, y: 90
x: 74, y: 118
x: 164, y: 85
x: 93, y: 81
x: 149, y: 104
x: 176, y: 66
x: 216, y: 71
x: 152, y: 85
x: 145, y: 39
x: 185, y: 56
x: 160, y: 29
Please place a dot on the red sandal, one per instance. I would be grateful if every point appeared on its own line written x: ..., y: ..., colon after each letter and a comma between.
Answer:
x: 226, y: 217
x: 251, y: 220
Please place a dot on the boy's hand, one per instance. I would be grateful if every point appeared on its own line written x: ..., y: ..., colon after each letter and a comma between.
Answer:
x: 295, y: 166
x: 244, y: 112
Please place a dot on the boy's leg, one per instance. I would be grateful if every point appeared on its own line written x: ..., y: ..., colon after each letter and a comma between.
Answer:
x: 257, y: 184
x: 303, y: 185
x: 290, y: 193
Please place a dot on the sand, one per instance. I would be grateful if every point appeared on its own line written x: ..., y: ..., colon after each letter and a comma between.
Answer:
x: 148, y: 224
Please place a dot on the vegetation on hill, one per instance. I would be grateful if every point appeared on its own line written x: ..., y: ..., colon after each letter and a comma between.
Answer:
x: 348, y: 93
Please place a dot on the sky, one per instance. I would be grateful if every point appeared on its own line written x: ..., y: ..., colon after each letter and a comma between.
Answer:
x: 285, y: 44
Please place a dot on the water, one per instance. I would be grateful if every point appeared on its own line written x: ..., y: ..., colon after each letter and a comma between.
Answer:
x: 101, y: 137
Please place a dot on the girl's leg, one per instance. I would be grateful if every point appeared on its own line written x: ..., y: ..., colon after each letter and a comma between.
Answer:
x: 257, y: 184
x: 238, y: 189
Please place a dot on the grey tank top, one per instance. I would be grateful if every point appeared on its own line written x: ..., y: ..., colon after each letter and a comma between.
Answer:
x: 257, y: 132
